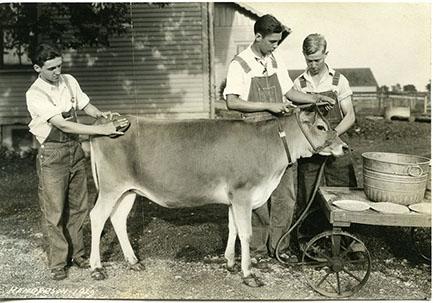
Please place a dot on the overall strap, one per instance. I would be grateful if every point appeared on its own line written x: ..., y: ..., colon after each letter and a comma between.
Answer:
x: 303, y: 83
x: 73, y: 98
x: 282, y: 135
x: 243, y: 64
x: 335, y: 80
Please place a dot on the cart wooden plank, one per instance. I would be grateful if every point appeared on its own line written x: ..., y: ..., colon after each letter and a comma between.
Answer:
x: 343, y: 218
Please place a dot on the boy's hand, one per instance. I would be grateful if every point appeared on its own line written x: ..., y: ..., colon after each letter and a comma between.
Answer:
x: 109, y: 115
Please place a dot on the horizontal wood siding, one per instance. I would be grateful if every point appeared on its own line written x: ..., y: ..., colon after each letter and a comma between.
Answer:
x: 13, y: 86
x: 158, y: 68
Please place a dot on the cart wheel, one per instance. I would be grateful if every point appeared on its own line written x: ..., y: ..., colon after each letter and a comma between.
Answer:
x: 313, y: 224
x: 342, y: 264
x: 421, y: 238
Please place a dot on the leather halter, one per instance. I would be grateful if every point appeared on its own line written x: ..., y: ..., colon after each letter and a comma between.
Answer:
x: 282, y: 134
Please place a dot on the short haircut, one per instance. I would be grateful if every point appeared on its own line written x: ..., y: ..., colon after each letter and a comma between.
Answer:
x: 44, y: 52
x: 266, y: 25
x: 314, y: 43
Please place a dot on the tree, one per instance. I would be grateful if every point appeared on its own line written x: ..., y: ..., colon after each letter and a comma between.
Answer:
x: 410, y: 88
x: 66, y: 25
x: 396, y: 88
x: 384, y: 89
x: 428, y: 86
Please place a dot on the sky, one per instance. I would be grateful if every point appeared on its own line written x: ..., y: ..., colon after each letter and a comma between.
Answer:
x: 391, y: 38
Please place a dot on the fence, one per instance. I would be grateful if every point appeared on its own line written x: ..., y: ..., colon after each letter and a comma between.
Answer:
x: 375, y: 103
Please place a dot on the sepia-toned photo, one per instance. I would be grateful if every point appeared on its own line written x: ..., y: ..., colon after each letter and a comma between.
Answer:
x: 219, y: 151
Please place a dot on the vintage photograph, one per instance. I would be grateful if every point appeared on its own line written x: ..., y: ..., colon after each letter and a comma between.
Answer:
x: 215, y: 151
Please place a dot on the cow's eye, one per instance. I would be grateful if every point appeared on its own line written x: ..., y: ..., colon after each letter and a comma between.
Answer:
x: 321, y: 127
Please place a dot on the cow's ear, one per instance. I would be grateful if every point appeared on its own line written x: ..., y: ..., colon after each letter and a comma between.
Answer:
x: 307, y: 116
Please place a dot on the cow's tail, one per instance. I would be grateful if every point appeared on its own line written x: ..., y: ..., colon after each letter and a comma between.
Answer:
x: 93, y: 165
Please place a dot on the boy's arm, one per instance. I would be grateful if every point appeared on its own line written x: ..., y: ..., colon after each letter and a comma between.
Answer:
x: 83, y: 129
x: 94, y: 112
x: 236, y: 103
x: 300, y: 97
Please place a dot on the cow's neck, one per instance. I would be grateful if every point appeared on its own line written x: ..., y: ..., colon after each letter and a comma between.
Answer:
x: 298, y: 145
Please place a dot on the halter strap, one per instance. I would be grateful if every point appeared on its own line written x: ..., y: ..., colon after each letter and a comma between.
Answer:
x: 312, y: 144
x: 282, y: 135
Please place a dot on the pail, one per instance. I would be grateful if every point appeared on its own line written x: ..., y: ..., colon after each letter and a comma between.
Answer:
x: 396, y: 178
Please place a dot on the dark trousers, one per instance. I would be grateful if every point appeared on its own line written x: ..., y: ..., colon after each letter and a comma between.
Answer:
x: 337, y: 172
x: 273, y: 219
x: 63, y: 199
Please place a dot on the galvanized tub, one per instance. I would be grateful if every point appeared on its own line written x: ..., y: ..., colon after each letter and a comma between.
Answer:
x: 396, y: 178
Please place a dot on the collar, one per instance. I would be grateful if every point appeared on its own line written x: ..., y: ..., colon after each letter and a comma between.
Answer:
x: 257, y: 57
x: 44, y: 85
x: 308, y: 77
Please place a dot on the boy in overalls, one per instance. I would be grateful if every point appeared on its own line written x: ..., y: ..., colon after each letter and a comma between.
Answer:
x: 258, y: 81
x: 52, y: 101
x: 321, y: 79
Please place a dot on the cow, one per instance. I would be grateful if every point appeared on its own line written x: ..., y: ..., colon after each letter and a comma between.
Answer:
x: 190, y: 163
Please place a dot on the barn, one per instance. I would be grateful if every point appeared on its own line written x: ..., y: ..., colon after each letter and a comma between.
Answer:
x: 170, y: 64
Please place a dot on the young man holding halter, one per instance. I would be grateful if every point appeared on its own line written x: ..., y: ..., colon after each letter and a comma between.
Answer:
x: 258, y: 81
x: 319, y: 78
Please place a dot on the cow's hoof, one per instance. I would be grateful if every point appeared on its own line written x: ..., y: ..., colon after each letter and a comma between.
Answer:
x: 252, y: 281
x: 99, y: 274
x: 138, y: 266
x: 233, y: 269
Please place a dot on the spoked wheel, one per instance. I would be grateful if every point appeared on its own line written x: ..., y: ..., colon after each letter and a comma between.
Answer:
x: 421, y: 238
x: 313, y: 224
x: 336, y: 264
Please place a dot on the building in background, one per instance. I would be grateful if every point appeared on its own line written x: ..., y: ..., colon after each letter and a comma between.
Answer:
x: 169, y: 64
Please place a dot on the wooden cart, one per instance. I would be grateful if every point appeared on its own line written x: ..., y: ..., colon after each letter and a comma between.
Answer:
x: 336, y: 263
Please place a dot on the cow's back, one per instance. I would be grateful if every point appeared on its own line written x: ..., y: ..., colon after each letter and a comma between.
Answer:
x: 196, y: 161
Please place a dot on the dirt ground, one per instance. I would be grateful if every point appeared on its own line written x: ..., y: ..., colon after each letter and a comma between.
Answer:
x: 177, y: 245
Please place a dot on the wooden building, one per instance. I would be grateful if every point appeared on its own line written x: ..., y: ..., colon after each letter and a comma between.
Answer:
x: 170, y: 64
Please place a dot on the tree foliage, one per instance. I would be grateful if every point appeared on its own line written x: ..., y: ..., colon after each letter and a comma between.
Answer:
x: 67, y: 25
x: 409, y: 88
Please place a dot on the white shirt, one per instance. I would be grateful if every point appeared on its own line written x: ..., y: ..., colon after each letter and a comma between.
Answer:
x: 342, y: 90
x: 41, y: 109
x: 238, y: 81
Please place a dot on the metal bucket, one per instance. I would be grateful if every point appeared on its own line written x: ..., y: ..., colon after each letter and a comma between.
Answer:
x: 396, y: 178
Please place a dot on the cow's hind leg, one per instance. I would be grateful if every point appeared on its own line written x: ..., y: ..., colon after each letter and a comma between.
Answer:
x: 241, y: 210
x: 229, y: 254
x: 99, y: 215
x: 119, y: 222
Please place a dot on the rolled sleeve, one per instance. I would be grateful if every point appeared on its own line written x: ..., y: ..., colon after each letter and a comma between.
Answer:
x: 344, y: 89
x: 283, y: 75
x: 235, y: 83
x: 297, y: 85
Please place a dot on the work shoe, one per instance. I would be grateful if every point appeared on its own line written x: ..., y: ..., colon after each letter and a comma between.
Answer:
x: 261, y: 262
x: 288, y: 258
x: 58, y: 273
x: 80, y: 262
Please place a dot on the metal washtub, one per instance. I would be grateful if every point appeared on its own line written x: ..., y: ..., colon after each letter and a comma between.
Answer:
x: 396, y: 178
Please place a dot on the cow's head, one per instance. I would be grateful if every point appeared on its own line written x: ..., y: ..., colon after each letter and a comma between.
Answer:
x: 320, y: 137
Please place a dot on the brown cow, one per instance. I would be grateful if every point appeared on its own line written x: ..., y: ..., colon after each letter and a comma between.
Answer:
x: 189, y: 163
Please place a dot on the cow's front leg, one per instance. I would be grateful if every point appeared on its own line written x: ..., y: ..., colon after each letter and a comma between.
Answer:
x: 229, y: 254
x: 119, y: 222
x: 242, y: 216
x: 98, y: 215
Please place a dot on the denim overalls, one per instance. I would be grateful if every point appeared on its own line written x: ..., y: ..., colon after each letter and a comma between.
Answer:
x: 338, y: 171
x: 273, y: 219
x: 62, y: 190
